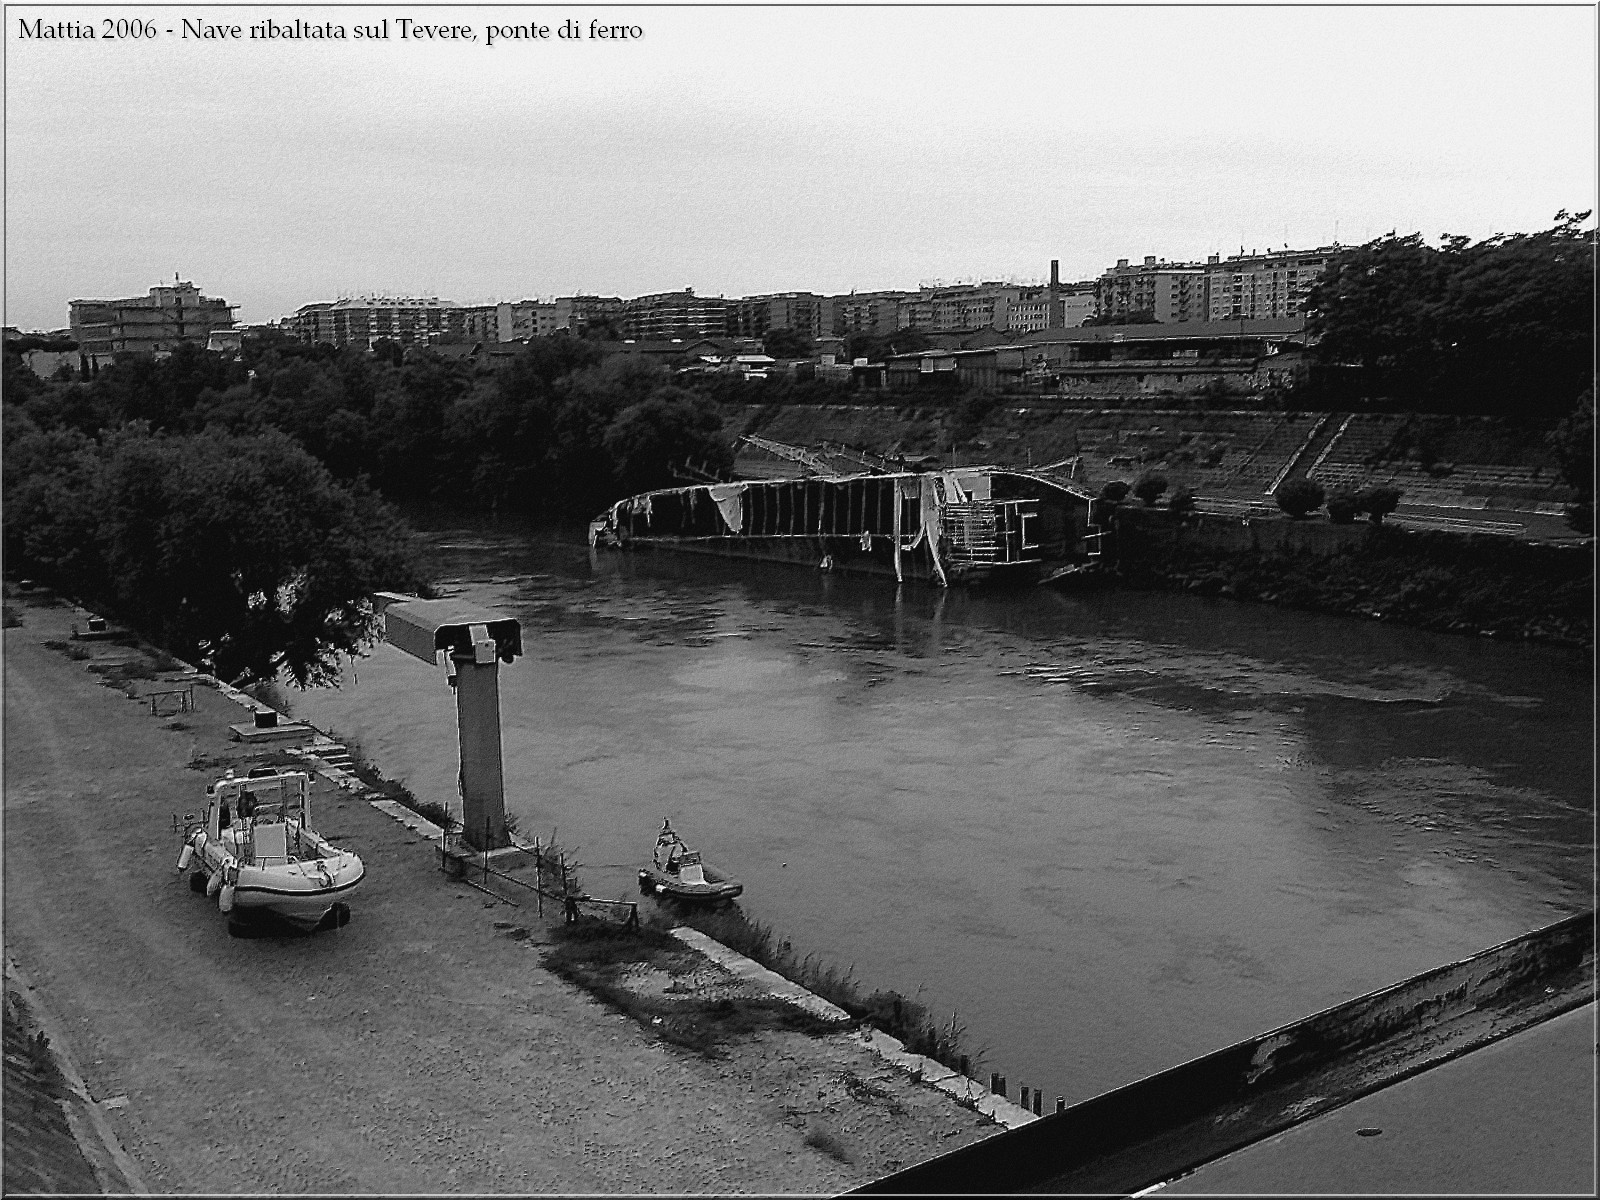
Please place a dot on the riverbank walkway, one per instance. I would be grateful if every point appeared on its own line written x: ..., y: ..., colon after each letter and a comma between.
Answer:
x: 422, y: 1048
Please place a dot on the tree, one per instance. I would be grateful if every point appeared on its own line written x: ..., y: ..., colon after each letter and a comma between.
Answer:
x: 240, y: 551
x: 1343, y: 506
x: 1142, y: 316
x: 1299, y: 497
x: 50, y: 509
x: 668, y: 428
x: 1378, y: 502
x: 1573, y: 443
x: 1182, y: 501
x: 1149, y: 487
x: 1500, y: 327
x: 786, y: 343
x: 875, y: 347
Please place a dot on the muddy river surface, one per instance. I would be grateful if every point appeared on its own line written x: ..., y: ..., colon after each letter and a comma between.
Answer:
x: 1107, y: 832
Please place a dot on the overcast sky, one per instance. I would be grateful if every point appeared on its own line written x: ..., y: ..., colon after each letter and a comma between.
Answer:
x: 745, y: 150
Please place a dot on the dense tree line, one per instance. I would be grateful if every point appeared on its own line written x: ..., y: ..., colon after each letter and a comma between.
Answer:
x: 238, y: 551
x: 1500, y: 327
x: 230, y: 509
x: 558, y: 431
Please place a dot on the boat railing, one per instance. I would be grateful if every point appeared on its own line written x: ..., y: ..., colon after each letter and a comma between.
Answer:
x: 989, y: 532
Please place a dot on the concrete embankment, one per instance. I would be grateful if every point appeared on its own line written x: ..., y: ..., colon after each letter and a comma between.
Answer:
x: 1449, y: 582
x: 419, y: 1049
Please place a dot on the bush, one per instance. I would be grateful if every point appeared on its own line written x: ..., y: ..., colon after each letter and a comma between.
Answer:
x: 1149, y: 486
x: 1182, y: 501
x: 1378, y: 502
x: 1299, y: 497
x: 1343, y: 507
x: 1114, y: 492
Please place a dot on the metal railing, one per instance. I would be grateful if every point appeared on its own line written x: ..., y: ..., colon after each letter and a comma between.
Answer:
x: 544, y: 863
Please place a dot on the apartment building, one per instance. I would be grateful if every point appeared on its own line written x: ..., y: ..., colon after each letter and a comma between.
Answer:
x: 870, y: 313
x: 577, y: 313
x: 361, y: 320
x: 155, y: 324
x: 1169, y: 291
x: 1073, y: 304
x: 1269, y: 286
x: 961, y: 308
x: 804, y: 312
x: 507, y: 321
x: 674, y: 315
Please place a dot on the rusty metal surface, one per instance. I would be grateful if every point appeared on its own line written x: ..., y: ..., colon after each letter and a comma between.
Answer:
x: 1157, y: 1128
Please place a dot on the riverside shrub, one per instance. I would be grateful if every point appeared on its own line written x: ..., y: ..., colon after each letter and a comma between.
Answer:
x: 1149, y: 486
x: 1378, y: 502
x: 1299, y: 497
x: 1343, y: 507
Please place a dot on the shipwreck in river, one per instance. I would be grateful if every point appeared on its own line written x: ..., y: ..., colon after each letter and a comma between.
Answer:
x: 949, y: 526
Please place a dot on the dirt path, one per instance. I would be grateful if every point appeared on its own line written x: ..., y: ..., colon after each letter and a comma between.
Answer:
x: 417, y: 1049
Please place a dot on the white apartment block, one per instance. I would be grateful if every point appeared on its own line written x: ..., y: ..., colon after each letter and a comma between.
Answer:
x: 1170, y: 291
x: 1031, y: 310
x: 1263, y: 286
x: 961, y: 308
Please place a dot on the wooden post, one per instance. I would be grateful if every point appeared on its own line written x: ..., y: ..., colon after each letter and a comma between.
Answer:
x: 1038, y: 1103
x: 994, y: 1082
x: 1061, y: 1104
x: 899, y: 575
x: 1024, y: 1093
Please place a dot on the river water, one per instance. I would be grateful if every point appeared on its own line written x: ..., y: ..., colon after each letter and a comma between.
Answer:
x: 1107, y: 832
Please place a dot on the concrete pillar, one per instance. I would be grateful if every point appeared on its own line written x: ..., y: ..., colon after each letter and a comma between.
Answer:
x: 483, y: 793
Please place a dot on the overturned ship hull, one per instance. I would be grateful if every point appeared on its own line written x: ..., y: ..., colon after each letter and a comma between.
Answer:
x: 965, y: 525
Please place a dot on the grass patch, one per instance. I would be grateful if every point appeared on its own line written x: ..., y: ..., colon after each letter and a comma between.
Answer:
x: 242, y: 763
x: 900, y: 1016
x: 389, y: 789
x: 120, y: 674
x: 597, y: 955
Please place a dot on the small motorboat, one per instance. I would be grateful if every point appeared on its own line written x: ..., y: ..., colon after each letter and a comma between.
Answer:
x: 679, y: 873
x: 256, y: 852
